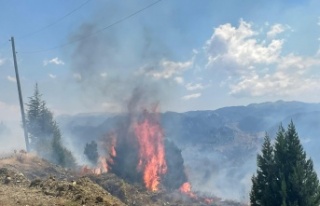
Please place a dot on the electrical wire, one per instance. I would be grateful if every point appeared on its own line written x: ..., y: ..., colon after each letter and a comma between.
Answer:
x: 53, y: 23
x: 96, y: 32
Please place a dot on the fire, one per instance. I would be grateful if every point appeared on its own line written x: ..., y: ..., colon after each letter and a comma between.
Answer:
x: 113, y: 152
x: 152, y: 161
x: 145, y: 139
x: 102, y: 166
x: 186, y: 189
x: 208, y: 201
x: 111, y: 148
x: 103, y: 163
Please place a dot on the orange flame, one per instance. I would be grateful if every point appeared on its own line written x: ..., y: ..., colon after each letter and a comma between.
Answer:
x: 151, y: 150
x: 103, y: 162
x: 102, y: 166
x: 186, y: 189
x: 208, y: 201
x: 112, y: 149
x: 86, y: 170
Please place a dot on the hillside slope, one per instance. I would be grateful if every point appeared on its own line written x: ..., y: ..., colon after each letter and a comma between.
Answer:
x: 219, y: 147
x: 26, y: 179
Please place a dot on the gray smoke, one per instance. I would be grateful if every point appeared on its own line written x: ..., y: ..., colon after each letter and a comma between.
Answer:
x: 12, y: 134
x: 108, y: 65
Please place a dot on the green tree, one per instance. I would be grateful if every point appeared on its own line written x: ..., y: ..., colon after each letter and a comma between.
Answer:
x: 263, y: 193
x: 285, y: 177
x: 44, y: 133
x: 91, y: 152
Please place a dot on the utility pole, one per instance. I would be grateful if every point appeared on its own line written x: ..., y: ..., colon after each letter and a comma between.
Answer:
x: 20, y: 95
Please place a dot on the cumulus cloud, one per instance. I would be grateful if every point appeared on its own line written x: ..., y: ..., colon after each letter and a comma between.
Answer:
x: 275, y: 30
x: 55, y: 61
x: 52, y: 76
x: 191, y: 96
x: 257, y: 68
x: 276, y: 84
x: 239, y: 45
x: 11, y: 79
x: 179, y: 80
x: 299, y: 64
x: 167, y: 69
x: 194, y: 86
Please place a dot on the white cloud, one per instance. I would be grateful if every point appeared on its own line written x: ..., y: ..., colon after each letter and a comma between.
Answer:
x: 167, y: 69
x: 318, y: 21
x: 179, y: 80
x: 191, y: 96
x: 276, y: 84
x: 239, y: 45
x: 55, y: 60
x: 52, y: 76
x: 275, y: 30
x: 11, y: 79
x: 299, y: 63
x: 292, y: 75
x: 255, y: 68
x: 193, y: 86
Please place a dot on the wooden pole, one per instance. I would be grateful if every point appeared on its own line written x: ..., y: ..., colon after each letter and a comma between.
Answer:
x: 20, y: 95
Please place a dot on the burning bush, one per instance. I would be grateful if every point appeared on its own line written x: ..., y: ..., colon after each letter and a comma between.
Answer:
x: 175, y: 175
x: 136, y: 149
x: 140, y: 154
x: 91, y: 152
x: 137, y: 152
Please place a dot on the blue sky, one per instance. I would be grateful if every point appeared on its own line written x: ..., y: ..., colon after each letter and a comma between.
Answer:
x: 188, y: 55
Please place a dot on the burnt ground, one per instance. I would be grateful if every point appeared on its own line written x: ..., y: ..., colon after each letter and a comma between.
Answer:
x: 28, y: 180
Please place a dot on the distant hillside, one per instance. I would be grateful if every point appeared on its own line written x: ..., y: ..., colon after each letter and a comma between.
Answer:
x: 219, y: 146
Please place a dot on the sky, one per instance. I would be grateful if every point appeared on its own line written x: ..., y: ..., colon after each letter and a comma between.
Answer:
x: 89, y: 56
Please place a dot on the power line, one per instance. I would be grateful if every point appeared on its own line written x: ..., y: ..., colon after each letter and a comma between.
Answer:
x: 96, y: 32
x: 55, y: 22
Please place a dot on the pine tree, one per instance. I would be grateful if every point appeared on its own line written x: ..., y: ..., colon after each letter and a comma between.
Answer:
x: 44, y: 132
x: 280, y: 157
x: 284, y: 176
x: 263, y: 183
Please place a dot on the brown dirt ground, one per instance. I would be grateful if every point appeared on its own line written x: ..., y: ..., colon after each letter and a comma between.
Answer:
x: 26, y: 179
